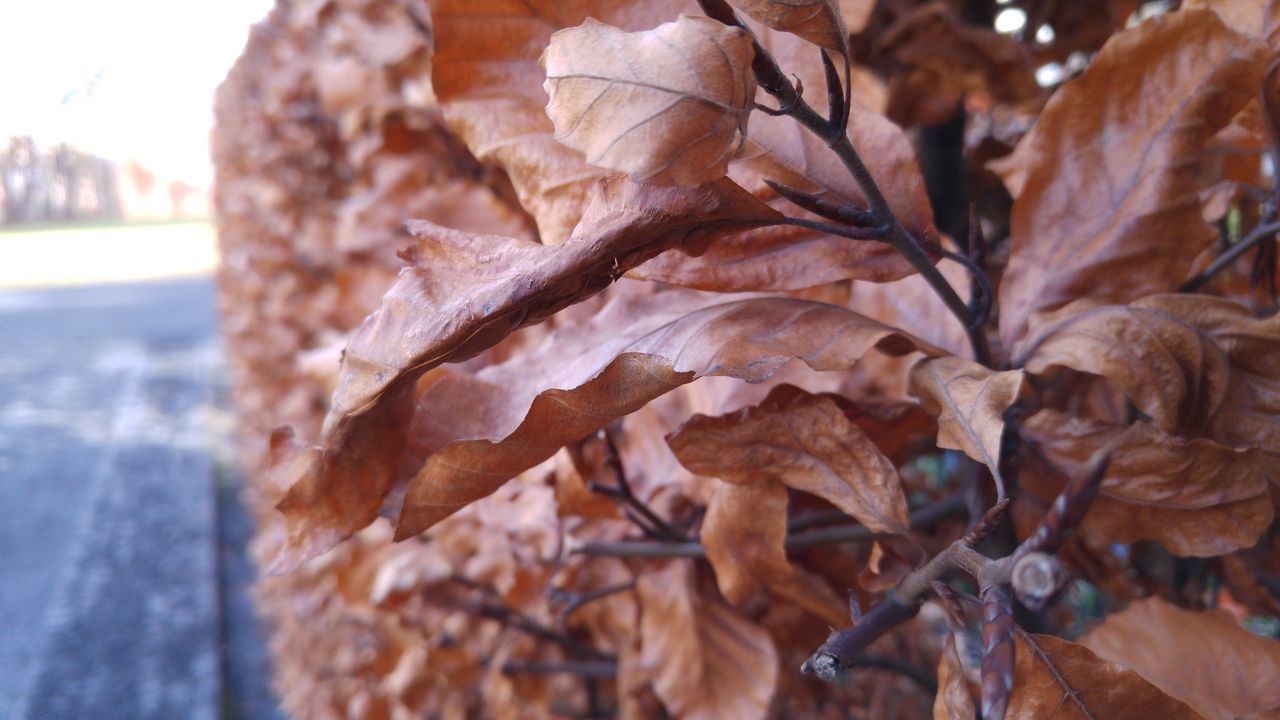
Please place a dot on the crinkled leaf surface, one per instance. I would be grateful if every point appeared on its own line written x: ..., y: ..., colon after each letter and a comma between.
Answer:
x: 704, y: 660
x: 818, y: 21
x: 1058, y: 679
x: 487, y: 78
x: 462, y: 294
x: 667, y: 106
x: 515, y: 415
x: 1195, y: 364
x: 1109, y: 206
x: 744, y: 531
x: 779, y: 149
x: 969, y: 401
x: 1221, y: 670
x: 802, y: 441
x: 1195, y: 497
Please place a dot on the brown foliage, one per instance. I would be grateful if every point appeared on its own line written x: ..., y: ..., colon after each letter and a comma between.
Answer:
x: 570, y: 309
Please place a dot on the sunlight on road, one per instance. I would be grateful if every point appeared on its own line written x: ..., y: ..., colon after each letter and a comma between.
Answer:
x: 82, y: 256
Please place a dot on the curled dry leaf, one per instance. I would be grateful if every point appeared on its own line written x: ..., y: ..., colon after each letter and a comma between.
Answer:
x: 804, y: 442
x: 821, y: 22
x: 463, y: 294
x: 1195, y: 497
x: 510, y: 417
x: 1058, y: 679
x: 704, y: 660
x: 779, y: 149
x: 1194, y: 364
x: 744, y: 531
x: 1223, y: 671
x: 969, y: 401
x: 1109, y: 206
x: 667, y: 106
x: 487, y: 77
x: 954, y: 700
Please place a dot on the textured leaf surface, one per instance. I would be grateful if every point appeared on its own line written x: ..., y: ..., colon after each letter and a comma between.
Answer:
x: 667, y: 106
x: 486, y: 74
x: 462, y: 294
x: 818, y: 21
x: 1109, y: 208
x: 1222, y: 670
x: 744, y: 531
x: 1058, y: 679
x: 1196, y: 365
x: 515, y: 415
x: 705, y: 661
x: 969, y: 401
x: 1195, y: 497
x: 779, y: 149
x: 801, y: 441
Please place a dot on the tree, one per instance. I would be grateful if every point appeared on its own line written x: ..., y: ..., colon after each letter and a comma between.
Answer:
x: 938, y: 434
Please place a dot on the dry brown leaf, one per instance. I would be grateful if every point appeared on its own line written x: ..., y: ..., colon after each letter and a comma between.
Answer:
x: 802, y: 441
x: 954, y: 700
x: 1109, y: 208
x: 487, y: 77
x: 821, y: 22
x: 969, y: 401
x: 1205, y: 659
x: 743, y: 532
x: 1195, y: 497
x: 704, y: 660
x: 1058, y: 679
x: 509, y: 417
x: 938, y: 59
x: 668, y: 106
x: 462, y: 294
x: 779, y: 149
x: 1248, y: 415
x: 1243, y: 16
x: 1195, y: 364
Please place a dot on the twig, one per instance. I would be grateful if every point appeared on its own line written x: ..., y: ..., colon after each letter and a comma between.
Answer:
x: 1259, y: 233
x: 577, y: 600
x: 527, y: 625
x: 770, y: 77
x: 879, y: 233
x: 818, y: 205
x: 921, y: 518
x: 599, y: 669
x: 654, y: 525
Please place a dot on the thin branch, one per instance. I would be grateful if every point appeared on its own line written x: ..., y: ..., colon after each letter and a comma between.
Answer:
x: 654, y: 525
x: 517, y: 621
x: 770, y: 77
x: 1224, y: 260
x: 922, y: 518
x: 597, y: 669
x: 879, y: 233
x: 577, y: 600
x: 818, y: 205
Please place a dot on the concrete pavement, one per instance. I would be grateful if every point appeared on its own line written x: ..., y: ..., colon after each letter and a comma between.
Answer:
x: 121, y: 559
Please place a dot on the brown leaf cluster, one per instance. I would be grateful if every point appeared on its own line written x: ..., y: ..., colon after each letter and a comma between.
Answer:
x: 587, y: 419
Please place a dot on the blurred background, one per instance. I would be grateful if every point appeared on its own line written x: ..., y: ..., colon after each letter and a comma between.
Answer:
x: 123, y: 580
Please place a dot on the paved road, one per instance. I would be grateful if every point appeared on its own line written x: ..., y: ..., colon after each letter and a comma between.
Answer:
x: 120, y: 587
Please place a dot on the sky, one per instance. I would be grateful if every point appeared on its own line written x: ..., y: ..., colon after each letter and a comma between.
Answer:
x: 124, y: 79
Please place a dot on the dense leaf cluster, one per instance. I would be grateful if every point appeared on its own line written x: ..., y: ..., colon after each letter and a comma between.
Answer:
x: 707, y: 370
